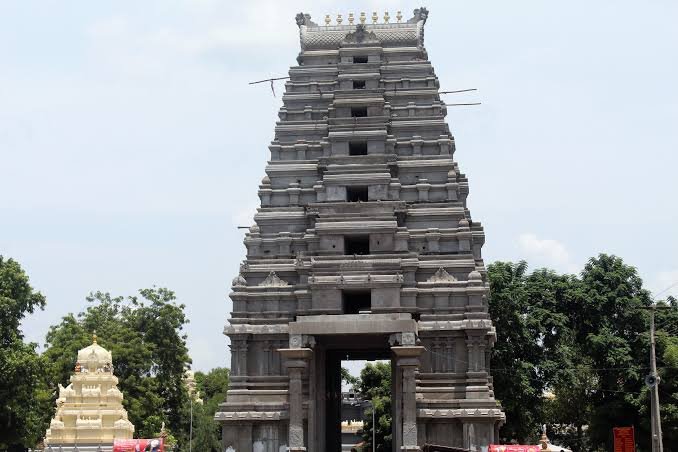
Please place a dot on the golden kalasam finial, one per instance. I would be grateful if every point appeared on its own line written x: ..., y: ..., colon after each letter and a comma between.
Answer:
x: 327, y: 19
x: 375, y: 18
x: 362, y: 18
x: 386, y: 17
x: 94, y: 337
x: 350, y: 18
x: 339, y: 19
x: 399, y: 16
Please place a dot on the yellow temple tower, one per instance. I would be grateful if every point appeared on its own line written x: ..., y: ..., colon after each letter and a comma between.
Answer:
x: 89, y: 410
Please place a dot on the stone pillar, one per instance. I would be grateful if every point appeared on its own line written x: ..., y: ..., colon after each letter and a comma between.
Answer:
x: 423, y: 187
x: 407, y: 362
x: 239, y: 356
x: 409, y: 408
x: 417, y: 144
x: 449, y: 353
x: 296, y: 427
x: 297, y: 360
x: 433, y: 239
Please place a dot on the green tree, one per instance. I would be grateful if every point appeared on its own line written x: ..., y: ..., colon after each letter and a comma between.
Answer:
x: 568, y: 405
x: 374, y: 385
x: 212, y: 387
x: 533, y: 341
x: 612, y: 330
x: 23, y: 395
x: 348, y: 378
x: 573, y: 352
x: 145, y: 336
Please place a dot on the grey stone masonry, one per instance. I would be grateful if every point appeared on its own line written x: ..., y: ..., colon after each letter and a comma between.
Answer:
x: 363, y: 245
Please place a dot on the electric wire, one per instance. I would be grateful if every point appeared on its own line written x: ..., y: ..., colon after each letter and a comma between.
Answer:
x: 666, y: 289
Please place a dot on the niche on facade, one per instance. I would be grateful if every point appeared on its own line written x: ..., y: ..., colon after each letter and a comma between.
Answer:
x: 357, y: 148
x: 358, y: 84
x: 355, y: 301
x: 357, y: 244
x: 360, y: 59
x: 355, y: 194
x: 358, y: 112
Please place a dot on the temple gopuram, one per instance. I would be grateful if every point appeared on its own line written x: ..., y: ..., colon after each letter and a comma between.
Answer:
x: 363, y: 246
x: 89, y: 413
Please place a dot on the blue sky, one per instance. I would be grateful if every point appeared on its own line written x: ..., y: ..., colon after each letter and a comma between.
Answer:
x: 131, y: 145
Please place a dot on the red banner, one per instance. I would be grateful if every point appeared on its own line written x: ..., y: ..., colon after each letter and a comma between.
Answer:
x: 139, y: 445
x: 512, y: 448
x: 624, y: 440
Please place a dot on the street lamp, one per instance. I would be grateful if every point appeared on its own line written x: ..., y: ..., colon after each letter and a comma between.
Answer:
x: 374, y: 426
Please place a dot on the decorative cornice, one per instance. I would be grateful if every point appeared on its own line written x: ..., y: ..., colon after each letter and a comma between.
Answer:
x: 441, y: 276
x: 256, y: 329
x: 492, y: 413
x: 272, y: 280
x: 250, y: 415
x: 457, y: 325
x: 361, y: 36
x: 399, y: 34
x: 239, y: 281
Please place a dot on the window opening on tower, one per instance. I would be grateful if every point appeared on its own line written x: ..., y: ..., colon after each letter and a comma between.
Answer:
x: 357, y: 244
x: 357, y: 148
x: 355, y: 194
x: 355, y: 301
x: 358, y: 112
x: 360, y: 59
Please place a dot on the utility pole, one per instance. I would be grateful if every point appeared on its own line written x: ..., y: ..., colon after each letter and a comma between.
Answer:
x: 190, y: 435
x: 652, y: 381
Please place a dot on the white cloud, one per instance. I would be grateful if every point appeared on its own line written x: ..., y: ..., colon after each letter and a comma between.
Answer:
x: 546, y: 252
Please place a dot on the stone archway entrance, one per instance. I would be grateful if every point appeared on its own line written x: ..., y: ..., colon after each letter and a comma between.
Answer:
x: 317, y: 345
x: 368, y: 347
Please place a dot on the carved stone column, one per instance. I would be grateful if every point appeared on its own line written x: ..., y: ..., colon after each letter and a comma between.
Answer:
x: 297, y: 360
x: 407, y: 362
x: 239, y: 356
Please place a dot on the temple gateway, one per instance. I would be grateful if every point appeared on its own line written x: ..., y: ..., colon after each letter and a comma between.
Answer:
x: 363, y: 246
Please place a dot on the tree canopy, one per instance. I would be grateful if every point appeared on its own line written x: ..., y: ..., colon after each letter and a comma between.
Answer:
x: 573, y: 351
x: 145, y: 334
x: 212, y: 387
x: 23, y: 397
x: 374, y: 385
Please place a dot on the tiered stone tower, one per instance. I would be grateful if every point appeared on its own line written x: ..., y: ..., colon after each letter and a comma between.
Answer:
x: 89, y: 412
x: 363, y: 246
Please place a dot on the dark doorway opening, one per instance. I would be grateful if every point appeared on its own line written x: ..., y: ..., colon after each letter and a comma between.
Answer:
x: 371, y: 348
x: 360, y: 59
x: 359, y: 245
x: 355, y: 301
x: 355, y: 194
x: 358, y: 84
x: 357, y: 148
x: 358, y: 112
